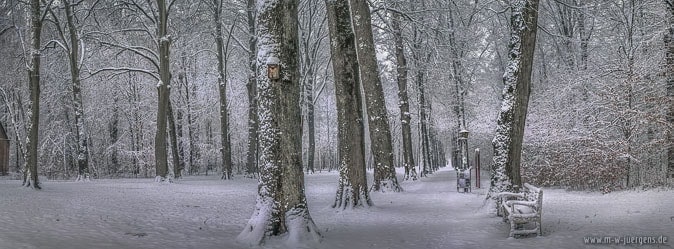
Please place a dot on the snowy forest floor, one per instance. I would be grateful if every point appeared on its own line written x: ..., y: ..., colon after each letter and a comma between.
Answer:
x: 204, y: 212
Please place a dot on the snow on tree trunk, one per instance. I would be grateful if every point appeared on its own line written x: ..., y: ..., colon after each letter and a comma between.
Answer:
x: 669, y: 43
x: 403, y: 98
x: 517, y: 79
x: 74, y: 63
x: 30, y: 169
x: 281, y: 206
x: 352, y: 190
x: 380, y: 132
x: 164, y: 41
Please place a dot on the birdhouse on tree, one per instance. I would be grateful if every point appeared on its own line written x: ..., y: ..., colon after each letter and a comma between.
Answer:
x: 273, y: 68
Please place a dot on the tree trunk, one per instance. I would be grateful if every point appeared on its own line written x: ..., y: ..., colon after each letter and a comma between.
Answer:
x: 281, y: 207
x: 251, y: 86
x: 191, y: 134
x: 225, y: 150
x: 669, y: 72
x: 114, y: 137
x: 380, y: 132
x: 584, y: 34
x: 175, y: 151
x: 30, y: 171
x: 403, y: 98
x: 181, y: 147
x: 517, y: 79
x: 164, y: 41
x: 73, y: 59
x: 423, y: 119
x: 352, y: 190
x: 309, y: 99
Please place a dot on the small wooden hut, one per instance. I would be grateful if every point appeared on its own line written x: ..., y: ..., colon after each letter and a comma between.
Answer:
x: 4, y: 151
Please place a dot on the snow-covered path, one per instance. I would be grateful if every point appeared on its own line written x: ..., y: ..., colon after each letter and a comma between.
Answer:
x: 205, y: 212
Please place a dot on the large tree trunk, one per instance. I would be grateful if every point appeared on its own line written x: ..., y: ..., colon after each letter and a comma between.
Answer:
x: 380, y: 132
x: 281, y: 207
x: 30, y: 171
x: 251, y: 86
x: 517, y: 79
x: 225, y: 150
x: 164, y: 41
x: 669, y: 43
x: 73, y: 59
x: 352, y: 190
x: 403, y: 98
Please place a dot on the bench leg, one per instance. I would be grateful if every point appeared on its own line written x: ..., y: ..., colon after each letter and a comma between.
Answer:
x: 512, y: 229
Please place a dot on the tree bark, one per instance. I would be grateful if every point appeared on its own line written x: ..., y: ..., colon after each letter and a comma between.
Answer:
x: 309, y: 100
x: 281, y: 207
x: 30, y: 171
x: 380, y: 132
x: 173, y: 135
x: 251, y: 86
x: 225, y: 150
x: 669, y: 56
x: 191, y: 134
x: 423, y: 120
x: 114, y: 137
x: 73, y: 59
x: 352, y: 190
x: 507, y: 143
x: 164, y: 41
x: 403, y: 98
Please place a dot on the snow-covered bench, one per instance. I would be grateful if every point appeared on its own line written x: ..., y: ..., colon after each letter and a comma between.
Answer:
x: 522, y: 208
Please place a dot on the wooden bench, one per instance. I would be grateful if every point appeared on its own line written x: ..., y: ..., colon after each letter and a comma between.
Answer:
x: 522, y: 208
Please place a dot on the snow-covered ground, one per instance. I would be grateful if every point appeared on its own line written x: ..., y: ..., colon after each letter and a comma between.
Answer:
x: 205, y: 212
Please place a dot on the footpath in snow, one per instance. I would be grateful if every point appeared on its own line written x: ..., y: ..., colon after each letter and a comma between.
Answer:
x: 205, y: 212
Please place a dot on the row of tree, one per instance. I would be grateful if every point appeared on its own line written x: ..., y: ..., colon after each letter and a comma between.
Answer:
x: 320, y: 79
x: 99, y: 118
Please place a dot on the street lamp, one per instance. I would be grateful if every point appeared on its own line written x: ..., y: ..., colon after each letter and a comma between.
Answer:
x: 463, y: 146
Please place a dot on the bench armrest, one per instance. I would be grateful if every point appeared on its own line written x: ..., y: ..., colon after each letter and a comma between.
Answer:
x: 509, y: 194
x: 523, y: 203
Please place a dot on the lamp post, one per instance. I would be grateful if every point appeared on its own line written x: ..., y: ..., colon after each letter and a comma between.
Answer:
x: 463, y: 146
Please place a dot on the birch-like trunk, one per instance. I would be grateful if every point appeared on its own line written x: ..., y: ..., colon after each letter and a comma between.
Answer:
x: 517, y: 79
x: 281, y: 206
x: 352, y: 190
x: 380, y: 131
